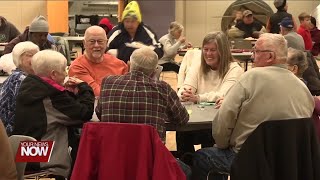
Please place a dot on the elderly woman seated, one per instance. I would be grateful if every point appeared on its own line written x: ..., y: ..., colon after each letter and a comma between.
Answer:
x: 172, y: 42
x: 45, y: 109
x: 297, y: 64
x: 207, y: 81
x: 22, y: 54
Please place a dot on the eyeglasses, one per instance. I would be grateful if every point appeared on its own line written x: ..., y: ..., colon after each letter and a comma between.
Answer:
x: 93, y: 41
x: 254, y: 51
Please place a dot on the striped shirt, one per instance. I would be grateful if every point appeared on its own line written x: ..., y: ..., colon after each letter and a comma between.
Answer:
x: 136, y: 98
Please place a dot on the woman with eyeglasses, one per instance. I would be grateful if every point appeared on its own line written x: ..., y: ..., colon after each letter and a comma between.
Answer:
x: 206, y: 82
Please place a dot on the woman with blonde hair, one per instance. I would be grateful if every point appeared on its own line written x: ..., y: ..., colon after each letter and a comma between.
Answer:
x: 214, y: 76
x: 171, y: 43
x: 206, y: 82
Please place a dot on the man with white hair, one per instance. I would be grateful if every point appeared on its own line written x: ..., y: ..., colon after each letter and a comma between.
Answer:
x: 139, y: 98
x: 267, y: 92
x: 22, y: 54
x: 45, y: 109
x: 94, y: 65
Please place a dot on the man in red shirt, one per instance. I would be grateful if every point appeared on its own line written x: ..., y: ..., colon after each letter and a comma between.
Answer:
x: 303, y: 30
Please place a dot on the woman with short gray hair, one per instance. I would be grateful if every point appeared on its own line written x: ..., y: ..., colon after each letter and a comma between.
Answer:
x: 45, y: 109
x: 22, y: 54
x: 171, y: 43
x: 297, y: 62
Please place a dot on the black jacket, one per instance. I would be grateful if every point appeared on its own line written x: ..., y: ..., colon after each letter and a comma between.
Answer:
x: 118, y: 36
x: 279, y: 150
x: 312, y: 76
x: 44, y: 112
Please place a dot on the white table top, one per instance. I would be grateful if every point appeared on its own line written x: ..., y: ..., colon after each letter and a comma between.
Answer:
x: 74, y: 38
x: 242, y: 54
x: 200, y: 118
x: 3, y: 78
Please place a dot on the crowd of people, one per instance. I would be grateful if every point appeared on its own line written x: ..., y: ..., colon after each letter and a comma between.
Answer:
x: 116, y: 78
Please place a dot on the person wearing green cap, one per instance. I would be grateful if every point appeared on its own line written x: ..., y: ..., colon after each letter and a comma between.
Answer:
x: 132, y: 34
x: 37, y: 33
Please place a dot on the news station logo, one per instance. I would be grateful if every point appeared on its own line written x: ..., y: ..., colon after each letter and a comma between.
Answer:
x: 34, y: 151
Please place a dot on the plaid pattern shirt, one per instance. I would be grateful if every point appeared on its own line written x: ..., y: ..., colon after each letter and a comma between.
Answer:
x: 136, y: 98
x: 8, y: 94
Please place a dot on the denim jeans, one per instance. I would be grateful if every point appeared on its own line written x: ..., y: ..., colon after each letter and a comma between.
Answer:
x: 185, y: 168
x: 214, y: 160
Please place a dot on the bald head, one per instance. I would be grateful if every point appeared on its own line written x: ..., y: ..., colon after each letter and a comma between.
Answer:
x: 95, y: 43
x: 95, y: 30
x: 145, y: 60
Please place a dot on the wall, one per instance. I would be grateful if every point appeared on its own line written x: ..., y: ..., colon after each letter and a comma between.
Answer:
x: 158, y: 15
x: 21, y: 13
x: 201, y: 17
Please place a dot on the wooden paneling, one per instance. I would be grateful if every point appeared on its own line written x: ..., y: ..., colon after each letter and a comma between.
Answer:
x: 57, y: 12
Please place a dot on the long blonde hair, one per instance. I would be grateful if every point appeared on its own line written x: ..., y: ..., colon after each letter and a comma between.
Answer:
x: 225, y: 57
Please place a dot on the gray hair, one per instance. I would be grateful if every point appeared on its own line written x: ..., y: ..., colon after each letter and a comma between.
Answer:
x: 175, y: 26
x: 21, y: 48
x: 276, y: 43
x: 144, y: 60
x: 46, y: 61
x: 297, y: 57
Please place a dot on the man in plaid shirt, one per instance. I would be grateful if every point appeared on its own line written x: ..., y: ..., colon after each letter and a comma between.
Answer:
x: 137, y: 98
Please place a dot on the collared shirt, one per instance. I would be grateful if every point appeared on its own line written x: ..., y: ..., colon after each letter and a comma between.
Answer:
x: 8, y: 95
x: 137, y: 98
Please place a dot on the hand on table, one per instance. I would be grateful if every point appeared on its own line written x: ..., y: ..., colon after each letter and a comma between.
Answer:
x: 188, y: 95
x: 219, y: 102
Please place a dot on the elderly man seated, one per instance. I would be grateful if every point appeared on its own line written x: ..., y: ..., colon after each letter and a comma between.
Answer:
x: 137, y: 98
x: 94, y: 65
x: 294, y: 39
x: 261, y: 94
x: 45, y: 109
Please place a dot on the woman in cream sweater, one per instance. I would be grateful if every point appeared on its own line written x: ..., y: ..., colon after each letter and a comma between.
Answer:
x: 214, y: 76
x: 206, y: 82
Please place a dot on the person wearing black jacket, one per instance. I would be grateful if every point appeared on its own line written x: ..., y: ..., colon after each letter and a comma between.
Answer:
x: 132, y: 34
x: 45, y: 109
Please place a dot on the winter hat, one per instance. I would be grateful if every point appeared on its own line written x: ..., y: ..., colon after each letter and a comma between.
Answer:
x: 279, y: 4
x: 39, y: 24
x: 106, y: 22
x: 132, y: 10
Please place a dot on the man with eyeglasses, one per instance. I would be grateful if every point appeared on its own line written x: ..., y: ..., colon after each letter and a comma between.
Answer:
x: 267, y: 92
x: 94, y: 65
